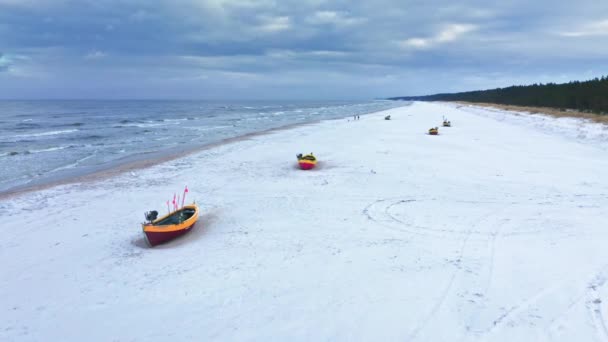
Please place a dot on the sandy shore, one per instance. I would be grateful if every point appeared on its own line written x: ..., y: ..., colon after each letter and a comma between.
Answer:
x: 492, y: 231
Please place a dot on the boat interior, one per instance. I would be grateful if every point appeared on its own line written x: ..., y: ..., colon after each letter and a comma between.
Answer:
x: 177, y: 218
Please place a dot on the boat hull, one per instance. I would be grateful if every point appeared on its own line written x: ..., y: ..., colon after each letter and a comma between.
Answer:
x: 157, y: 238
x: 306, y: 164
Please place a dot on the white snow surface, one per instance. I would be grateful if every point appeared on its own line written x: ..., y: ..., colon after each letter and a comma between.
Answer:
x: 495, y: 230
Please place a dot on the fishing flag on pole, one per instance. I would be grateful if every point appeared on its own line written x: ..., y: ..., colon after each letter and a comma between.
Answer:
x: 184, y: 198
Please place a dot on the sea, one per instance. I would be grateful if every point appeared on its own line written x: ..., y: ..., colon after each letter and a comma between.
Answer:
x: 46, y: 141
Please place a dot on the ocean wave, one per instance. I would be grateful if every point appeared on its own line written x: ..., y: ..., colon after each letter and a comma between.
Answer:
x: 260, y: 118
x: 78, y: 139
x: 72, y: 165
x: 50, y: 149
x: 175, y: 120
x: 143, y: 125
x: 22, y: 126
x: 35, y: 151
x: 90, y: 137
x: 202, y: 129
x: 44, y: 134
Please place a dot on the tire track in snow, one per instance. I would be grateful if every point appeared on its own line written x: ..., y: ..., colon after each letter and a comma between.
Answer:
x: 379, y: 212
x: 526, y: 311
x: 554, y: 323
x: 459, y: 267
x: 444, y: 293
x: 518, y: 309
x: 474, y: 316
x: 543, y: 303
x: 491, y: 263
x: 382, y: 211
x: 381, y: 216
x: 594, y: 306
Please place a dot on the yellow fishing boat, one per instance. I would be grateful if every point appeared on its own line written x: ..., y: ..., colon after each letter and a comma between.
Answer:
x: 170, y: 226
x: 307, y: 161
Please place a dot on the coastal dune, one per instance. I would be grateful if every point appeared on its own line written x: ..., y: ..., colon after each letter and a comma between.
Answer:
x: 493, y: 230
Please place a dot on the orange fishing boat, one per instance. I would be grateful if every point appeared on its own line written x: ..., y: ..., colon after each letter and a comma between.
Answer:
x: 170, y: 226
x: 434, y: 131
x: 307, y: 161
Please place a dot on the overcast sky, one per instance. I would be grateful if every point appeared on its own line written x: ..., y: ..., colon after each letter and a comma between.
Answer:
x: 301, y: 49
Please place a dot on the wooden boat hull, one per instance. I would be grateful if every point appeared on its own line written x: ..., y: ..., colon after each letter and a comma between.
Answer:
x: 307, y: 164
x: 157, y: 238
x: 433, y: 133
x: 157, y: 234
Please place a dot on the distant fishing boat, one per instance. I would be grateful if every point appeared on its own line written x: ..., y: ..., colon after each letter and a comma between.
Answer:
x: 447, y: 123
x: 307, y: 161
x: 170, y: 226
x: 434, y: 131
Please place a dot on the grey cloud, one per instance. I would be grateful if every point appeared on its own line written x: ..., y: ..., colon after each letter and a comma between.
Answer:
x: 4, y: 62
x: 389, y: 43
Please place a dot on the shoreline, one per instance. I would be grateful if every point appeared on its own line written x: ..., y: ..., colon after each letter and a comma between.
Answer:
x: 554, y: 112
x: 115, y: 170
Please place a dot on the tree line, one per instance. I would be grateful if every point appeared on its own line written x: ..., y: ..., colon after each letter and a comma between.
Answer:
x: 586, y: 96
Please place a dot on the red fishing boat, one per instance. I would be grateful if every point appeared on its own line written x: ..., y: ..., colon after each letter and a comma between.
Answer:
x: 307, y: 161
x: 170, y: 226
x: 434, y: 131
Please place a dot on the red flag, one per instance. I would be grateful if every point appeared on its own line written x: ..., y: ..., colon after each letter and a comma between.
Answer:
x: 184, y: 198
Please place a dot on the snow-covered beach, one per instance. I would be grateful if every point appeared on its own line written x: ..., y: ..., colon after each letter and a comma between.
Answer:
x: 495, y: 230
